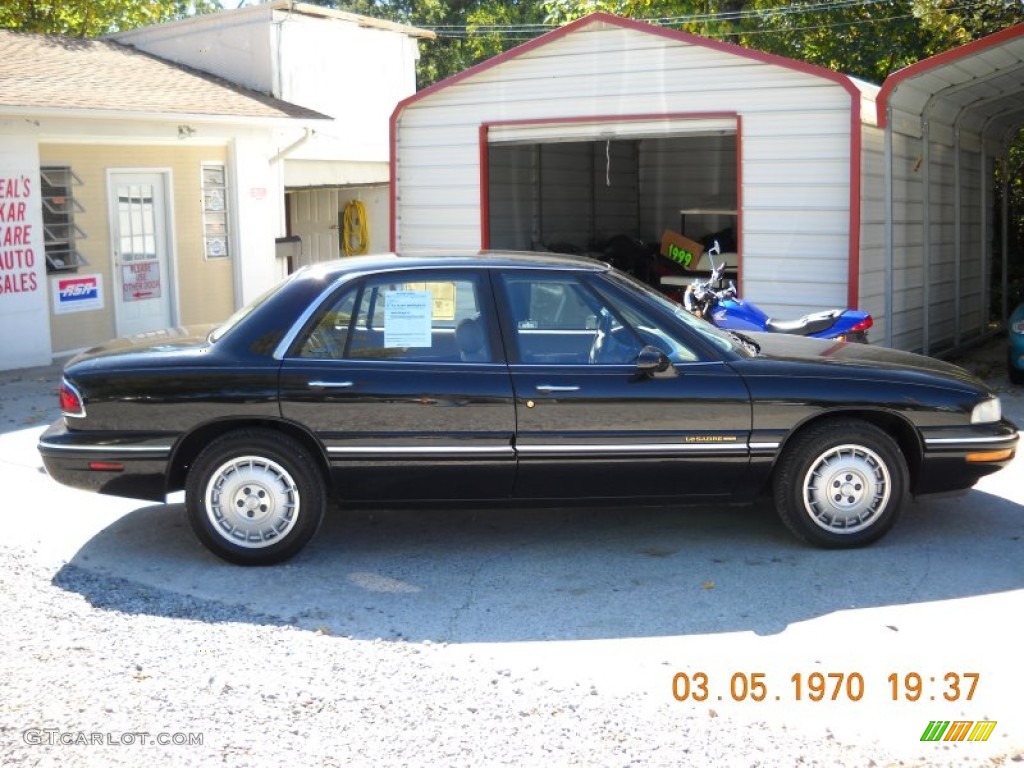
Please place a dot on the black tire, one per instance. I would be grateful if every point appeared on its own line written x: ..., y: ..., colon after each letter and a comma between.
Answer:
x: 255, y: 497
x: 1016, y: 374
x: 863, y: 485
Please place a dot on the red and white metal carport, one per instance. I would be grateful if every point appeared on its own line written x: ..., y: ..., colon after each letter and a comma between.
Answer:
x: 946, y: 120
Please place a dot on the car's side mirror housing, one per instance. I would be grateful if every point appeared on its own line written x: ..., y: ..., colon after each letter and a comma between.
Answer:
x: 653, y: 362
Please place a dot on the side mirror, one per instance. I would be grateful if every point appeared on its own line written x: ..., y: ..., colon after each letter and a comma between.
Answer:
x: 652, y: 361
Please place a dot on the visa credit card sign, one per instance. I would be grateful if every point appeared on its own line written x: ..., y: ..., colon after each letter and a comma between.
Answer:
x: 77, y: 293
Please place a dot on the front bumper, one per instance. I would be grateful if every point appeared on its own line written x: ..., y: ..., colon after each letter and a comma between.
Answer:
x: 955, y: 459
x: 134, y: 466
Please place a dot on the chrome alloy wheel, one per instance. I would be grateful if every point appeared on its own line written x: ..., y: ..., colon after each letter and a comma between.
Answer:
x: 252, y: 501
x: 846, y: 488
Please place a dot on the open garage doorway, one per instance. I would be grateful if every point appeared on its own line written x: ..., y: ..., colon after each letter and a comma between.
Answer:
x: 613, y: 192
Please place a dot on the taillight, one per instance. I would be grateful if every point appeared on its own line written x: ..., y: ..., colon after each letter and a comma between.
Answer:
x: 863, y: 325
x: 71, y: 403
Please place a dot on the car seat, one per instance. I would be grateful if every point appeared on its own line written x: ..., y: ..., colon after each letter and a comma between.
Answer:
x: 471, y: 341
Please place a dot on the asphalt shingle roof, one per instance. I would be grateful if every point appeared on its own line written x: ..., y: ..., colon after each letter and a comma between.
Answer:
x: 53, y: 72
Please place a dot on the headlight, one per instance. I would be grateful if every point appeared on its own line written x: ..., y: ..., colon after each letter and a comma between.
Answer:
x: 1018, y: 327
x: 987, y: 412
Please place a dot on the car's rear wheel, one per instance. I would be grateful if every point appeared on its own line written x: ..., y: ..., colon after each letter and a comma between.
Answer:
x: 841, y: 483
x: 255, y: 497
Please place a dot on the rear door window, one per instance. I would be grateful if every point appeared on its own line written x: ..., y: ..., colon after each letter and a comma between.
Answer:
x: 412, y: 317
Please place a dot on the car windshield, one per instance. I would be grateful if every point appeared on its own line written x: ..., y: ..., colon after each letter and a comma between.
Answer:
x: 715, y: 336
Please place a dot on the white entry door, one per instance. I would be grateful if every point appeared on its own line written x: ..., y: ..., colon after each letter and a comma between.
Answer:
x: 141, y: 288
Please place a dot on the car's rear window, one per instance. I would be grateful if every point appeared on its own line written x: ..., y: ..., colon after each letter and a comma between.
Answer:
x: 221, y: 330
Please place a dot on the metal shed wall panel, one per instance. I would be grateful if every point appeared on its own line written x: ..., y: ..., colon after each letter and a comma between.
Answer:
x: 611, y: 71
x: 971, y: 259
x: 941, y: 246
x: 708, y: 164
x: 908, y: 243
x: 872, y: 224
x: 515, y: 174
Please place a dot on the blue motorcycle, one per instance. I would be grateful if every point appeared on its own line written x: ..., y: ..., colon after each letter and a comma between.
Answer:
x: 722, y: 307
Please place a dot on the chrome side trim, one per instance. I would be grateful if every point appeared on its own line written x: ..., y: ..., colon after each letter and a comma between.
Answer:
x: 969, y: 440
x: 331, y: 384
x: 763, y: 446
x: 636, y: 448
x: 415, y: 450
x: 466, y: 450
x: 106, y: 448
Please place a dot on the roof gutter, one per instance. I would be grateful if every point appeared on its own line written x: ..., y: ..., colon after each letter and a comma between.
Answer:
x: 62, y: 113
x: 309, y: 133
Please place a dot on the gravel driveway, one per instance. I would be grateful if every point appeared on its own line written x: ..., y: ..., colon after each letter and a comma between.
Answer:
x: 477, y: 638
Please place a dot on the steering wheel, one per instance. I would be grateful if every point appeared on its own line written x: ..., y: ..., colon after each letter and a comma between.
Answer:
x: 602, y: 338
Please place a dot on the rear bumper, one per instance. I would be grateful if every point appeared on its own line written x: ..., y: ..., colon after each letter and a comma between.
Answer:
x: 955, y: 459
x: 133, y: 466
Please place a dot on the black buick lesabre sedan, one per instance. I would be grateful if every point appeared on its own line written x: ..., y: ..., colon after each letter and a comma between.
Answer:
x: 513, y: 378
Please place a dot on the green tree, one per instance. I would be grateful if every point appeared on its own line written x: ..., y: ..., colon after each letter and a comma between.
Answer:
x: 468, y: 31
x: 865, y: 38
x: 92, y: 18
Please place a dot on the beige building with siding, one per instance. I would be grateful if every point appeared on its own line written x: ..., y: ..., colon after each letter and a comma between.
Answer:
x: 135, y: 194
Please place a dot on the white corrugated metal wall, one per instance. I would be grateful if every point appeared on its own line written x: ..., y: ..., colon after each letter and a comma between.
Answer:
x: 794, y: 143
x: 872, y: 230
x: 942, y: 184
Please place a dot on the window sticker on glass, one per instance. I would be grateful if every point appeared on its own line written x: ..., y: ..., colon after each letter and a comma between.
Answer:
x: 407, y: 317
x: 443, y: 295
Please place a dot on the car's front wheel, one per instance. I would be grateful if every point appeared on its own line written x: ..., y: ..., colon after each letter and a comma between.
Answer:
x: 841, y: 483
x: 255, y: 497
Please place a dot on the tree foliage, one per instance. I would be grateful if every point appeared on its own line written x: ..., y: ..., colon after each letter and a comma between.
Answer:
x: 865, y: 38
x: 92, y: 18
x: 869, y: 39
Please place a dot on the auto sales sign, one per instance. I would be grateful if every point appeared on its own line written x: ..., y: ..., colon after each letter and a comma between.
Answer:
x: 23, y: 304
x: 77, y: 293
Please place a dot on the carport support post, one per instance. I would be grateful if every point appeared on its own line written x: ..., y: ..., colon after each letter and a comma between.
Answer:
x: 926, y: 244
x: 986, y: 251
x: 889, y: 194
x: 957, y: 236
x: 1005, y: 313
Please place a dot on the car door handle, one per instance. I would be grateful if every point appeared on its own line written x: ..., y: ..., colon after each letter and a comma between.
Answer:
x: 554, y: 388
x: 331, y: 384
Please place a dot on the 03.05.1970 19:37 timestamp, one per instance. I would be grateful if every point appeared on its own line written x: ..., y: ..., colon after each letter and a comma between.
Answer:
x: 823, y: 686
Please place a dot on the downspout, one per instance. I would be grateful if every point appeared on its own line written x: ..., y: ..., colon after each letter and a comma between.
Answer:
x: 309, y: 133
